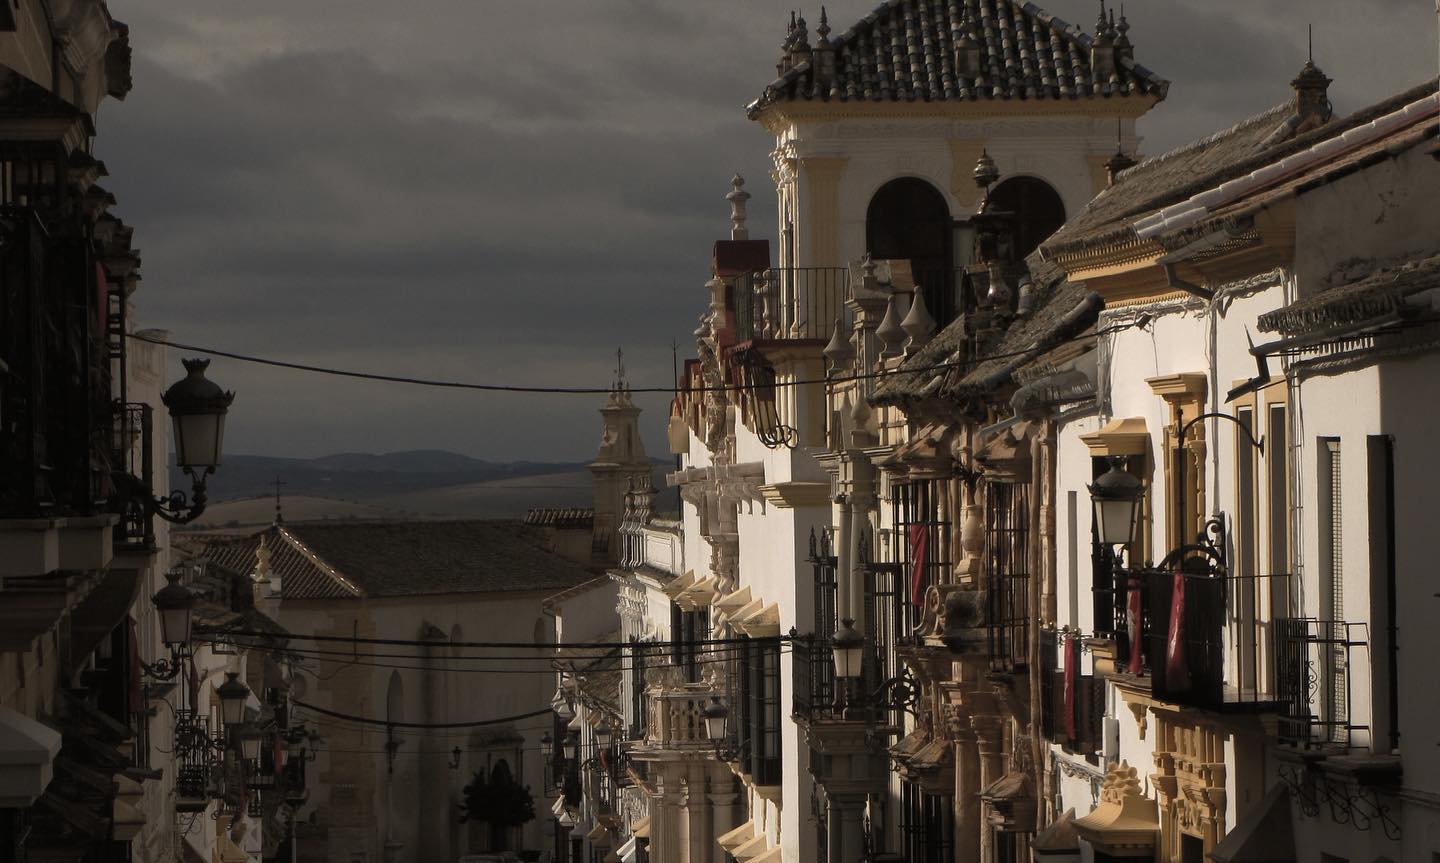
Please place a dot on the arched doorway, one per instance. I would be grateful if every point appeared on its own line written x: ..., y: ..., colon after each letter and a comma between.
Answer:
x: 1037, y: 207
x: 908, y: 219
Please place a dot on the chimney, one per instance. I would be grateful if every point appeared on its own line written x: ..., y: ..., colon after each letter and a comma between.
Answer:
x: 1115, y: 164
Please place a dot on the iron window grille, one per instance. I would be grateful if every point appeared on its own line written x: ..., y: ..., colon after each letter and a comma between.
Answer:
x: 814, y: 687
x: 927, y: 825
x: 921, y: 545
x: 758, y: 732
x: 1007, y: 516
x: 687, y: 630
x: 886, y: 614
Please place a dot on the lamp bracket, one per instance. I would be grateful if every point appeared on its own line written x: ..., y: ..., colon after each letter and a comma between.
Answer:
x: 175, y: 507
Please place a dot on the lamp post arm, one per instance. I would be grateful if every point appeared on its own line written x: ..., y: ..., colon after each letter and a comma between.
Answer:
x: 1185, y: 429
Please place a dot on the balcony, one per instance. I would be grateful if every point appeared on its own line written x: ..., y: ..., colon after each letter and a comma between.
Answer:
x: 787, y: 304
x: 676, y: 717
x: 1188, y: 609
x: 132, y: 441
x: 1312, y: 674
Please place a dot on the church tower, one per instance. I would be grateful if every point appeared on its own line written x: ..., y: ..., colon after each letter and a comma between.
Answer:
x: 619, y: 465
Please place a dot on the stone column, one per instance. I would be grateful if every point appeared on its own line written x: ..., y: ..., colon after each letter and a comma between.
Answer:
x: 699, y: 839
x: 722, y: 808
x: 968, y: 823
x: 665, y: 810
x: 989, y: 740
x: 845, y: 813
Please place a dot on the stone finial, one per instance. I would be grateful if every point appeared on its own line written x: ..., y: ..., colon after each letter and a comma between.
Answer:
x: 839, y: 351
x: 737, y: 198
x: 889, y: 331
x: 867, y: 273
x: 1102, y: 49
x: 823, y: 31
x: 1123, y: 48
x: 262, y: 562
x: 985, y: 171
x: 918, y: 323
x: 1312, y: 97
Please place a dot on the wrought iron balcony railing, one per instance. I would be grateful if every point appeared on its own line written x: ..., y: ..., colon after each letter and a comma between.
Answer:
x: 133, y: 444
x: 1312, y: 674
x: 788, y: 303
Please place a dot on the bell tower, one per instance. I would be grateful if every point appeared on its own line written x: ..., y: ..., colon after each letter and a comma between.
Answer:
x: 619, y: 464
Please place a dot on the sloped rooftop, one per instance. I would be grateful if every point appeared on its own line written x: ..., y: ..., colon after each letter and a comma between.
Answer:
x: 328, y: 560
x: 906, y: 51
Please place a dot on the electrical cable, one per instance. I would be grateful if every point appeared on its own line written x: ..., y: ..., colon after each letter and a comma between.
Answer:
x: 383, y: 723
x: 614, y: 653
x: 530, y: 645
x: 671, y: 390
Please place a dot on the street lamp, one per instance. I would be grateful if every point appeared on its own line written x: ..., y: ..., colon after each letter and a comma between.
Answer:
x: 1116, y: 497
x: 547, y: 747
x: 197, y: 408
x: 848, y: 645
x: 602, y: 734
x: 250, y: 739
x: 569, y: 746
x: 233, y: 695
x: 176, y: 605
x: 716, y: 717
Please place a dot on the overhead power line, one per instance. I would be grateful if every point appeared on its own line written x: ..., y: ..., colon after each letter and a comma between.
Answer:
x: 531, y: 645
x: 523, y: 388
x: 366, y: 720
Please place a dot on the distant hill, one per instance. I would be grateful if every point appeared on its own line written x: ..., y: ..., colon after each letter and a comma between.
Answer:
x: 412, y: 484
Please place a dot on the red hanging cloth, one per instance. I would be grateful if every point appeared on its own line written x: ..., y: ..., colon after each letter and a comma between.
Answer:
x: 1072, y: 674
x: 1177, y: 669
x: 1134, y: 620
x: 919, y: 554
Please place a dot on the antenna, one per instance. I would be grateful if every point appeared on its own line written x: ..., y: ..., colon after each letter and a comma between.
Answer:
x: 1310, y: 39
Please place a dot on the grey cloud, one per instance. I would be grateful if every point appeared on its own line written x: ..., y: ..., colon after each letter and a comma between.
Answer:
x: 506, y: 191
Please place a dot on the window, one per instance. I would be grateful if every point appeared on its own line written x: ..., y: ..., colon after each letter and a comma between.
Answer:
x: 760, y: 710
x: 1037, y: 207
x: 1007, y: 526
x: 1277, y: 509
x: 1332, y: 579
x: 687, y: 630
x: 1245, y: 588
x: 927, y: 825
x: 909, y: 220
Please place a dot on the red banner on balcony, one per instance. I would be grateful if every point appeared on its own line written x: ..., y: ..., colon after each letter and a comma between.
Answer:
x: 1134, y: 620
x: 1072, y: 675
x: 919, y: 554
x: 1177, y: 669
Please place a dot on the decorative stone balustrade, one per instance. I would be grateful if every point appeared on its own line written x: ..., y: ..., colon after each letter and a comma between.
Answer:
x: 677, y: 716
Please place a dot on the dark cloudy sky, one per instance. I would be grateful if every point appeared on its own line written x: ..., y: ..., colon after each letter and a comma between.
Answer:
x: 506, y: 190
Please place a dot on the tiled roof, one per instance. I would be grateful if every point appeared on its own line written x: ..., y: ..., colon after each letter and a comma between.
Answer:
x: 1204, y: 164
x: 1060, y: 310
x: 1382, y: 292
x: 906, y: 51
x: 301, y: 576
x: 327, y: 560
x: 575, y: 517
